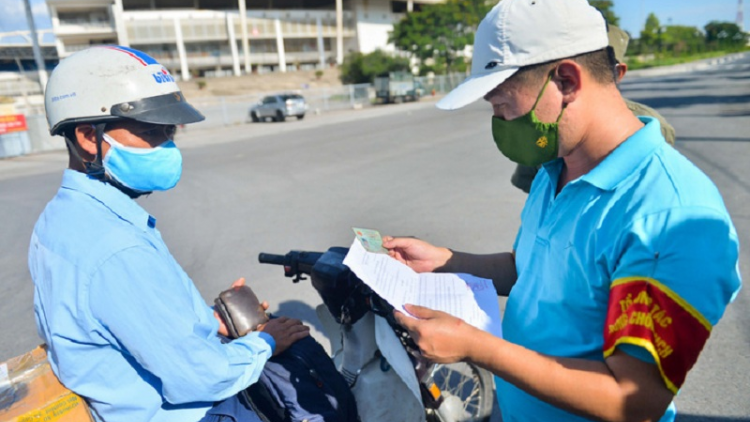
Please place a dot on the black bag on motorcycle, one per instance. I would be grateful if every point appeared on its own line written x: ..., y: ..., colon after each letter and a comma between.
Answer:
x: 300, y: 384
x: 345, y: 295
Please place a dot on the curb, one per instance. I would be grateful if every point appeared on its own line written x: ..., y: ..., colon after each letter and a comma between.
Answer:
x: 685, y: 67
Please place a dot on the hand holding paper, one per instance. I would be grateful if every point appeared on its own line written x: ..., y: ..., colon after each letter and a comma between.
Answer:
x: 467, y: 297
x: 441, y: 337
x: 419, y: 255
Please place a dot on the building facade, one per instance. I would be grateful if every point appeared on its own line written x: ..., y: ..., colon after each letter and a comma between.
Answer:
x: 226, y: 37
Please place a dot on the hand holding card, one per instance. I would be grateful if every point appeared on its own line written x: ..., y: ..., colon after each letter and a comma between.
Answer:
x: 370, y: 240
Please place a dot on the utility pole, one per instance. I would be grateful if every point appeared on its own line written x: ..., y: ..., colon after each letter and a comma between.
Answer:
x: 243, y: 34
x: 339, y: 32
x: 23, y: 83
x: 35, y: 46
x: 640, y: 13
x: 740, y: 16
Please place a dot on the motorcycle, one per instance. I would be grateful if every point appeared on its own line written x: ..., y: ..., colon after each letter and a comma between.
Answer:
x: 389, y: 377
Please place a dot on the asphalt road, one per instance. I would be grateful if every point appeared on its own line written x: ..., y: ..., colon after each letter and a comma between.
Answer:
x: 405, y: 170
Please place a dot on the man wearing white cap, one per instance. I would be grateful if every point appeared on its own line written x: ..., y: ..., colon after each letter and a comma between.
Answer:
x: 626, y: 256
x: 618, y: 40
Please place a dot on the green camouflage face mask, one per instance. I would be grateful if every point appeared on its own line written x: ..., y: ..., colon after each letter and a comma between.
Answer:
x: 525, y: 140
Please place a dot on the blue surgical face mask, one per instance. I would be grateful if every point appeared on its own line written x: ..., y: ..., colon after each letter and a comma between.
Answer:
x: 143, y: 169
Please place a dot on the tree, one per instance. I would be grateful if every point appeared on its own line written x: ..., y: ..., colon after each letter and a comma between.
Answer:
x: 359, y: 68
x: 651, y: 34
x: 725, y: 35
x: 605, y: 6
x: 678, y: 40
x: 440, y: 32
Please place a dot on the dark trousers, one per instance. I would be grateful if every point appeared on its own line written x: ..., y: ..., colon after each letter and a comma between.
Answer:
x: 232, y: 409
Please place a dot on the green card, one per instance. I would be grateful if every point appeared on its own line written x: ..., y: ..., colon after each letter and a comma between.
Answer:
x: 370, y: 240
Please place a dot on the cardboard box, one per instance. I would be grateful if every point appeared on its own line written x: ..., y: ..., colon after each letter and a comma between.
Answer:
x: 30, y: 392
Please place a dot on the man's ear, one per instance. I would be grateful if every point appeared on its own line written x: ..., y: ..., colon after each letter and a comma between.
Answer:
x: 568, y: 75
x: 85, y: 139
x: 622, y: 69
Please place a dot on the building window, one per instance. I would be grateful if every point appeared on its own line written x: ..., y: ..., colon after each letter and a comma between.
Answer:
x: 93, y: 18
x: 401, y: 6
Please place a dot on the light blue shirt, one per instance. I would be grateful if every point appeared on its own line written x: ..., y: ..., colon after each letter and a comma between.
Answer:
x: 645, y: 211
x: 125, y: 326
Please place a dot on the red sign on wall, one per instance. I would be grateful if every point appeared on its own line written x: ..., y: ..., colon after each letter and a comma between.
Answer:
x: 12, y: 123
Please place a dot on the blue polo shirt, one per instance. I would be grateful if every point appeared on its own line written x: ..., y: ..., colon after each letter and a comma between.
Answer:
x: 125, y: 326
x: 644, y: 214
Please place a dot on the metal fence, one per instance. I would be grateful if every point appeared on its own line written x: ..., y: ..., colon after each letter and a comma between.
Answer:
x: 441, y: 84
x: 19, y: 86
x: 224, y: 111
x: 233, y: 110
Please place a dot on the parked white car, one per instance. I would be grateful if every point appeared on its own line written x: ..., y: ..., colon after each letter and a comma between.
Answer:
x: 278, y: 107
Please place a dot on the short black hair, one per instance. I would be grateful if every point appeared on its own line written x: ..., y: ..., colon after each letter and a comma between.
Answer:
x: 599, y: 64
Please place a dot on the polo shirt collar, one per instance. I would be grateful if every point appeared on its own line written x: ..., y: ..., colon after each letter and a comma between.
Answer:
x: 111, y: 197
x: 627, y: 157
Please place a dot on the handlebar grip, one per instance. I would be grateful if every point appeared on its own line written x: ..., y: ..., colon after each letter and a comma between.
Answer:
x: 269, y: 258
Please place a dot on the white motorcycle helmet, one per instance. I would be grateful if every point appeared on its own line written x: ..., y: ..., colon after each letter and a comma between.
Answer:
x: 107, y: 83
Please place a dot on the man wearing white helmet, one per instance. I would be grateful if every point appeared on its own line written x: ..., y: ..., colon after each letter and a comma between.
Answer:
x: 626, y: 256
x: 125, y: 326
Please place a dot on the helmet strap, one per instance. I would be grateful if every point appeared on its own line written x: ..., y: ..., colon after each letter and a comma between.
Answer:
x: 124, y: 189
x: 95, y: 168
x: 73, y: 149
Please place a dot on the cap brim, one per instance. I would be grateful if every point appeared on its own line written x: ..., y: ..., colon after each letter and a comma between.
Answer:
x: 474, y: 88
x: 167, y: 109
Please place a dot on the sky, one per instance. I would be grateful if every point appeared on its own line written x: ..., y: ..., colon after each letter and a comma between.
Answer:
x: 632, y: 14
x: 13, y: 18
x: 698, y: 13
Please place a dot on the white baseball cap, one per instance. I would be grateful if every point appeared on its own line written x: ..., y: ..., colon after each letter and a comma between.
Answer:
x: 517, y: 33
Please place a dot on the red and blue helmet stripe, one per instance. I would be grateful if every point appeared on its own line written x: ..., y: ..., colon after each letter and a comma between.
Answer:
x: 142, y: 57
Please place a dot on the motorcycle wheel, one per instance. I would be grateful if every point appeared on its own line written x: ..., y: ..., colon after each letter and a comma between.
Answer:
x: 467, y: 391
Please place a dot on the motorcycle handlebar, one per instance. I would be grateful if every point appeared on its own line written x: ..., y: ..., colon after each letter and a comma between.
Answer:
x: 296, y: 263
x: 269, y: 258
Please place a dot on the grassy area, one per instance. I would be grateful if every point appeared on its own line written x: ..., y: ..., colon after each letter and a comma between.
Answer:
x: 635, y: 63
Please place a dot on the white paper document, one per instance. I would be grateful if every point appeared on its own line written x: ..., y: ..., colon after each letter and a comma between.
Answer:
x: 470, y: 298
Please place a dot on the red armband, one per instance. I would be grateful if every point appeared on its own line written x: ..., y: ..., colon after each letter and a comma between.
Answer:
x: 646, y: 313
